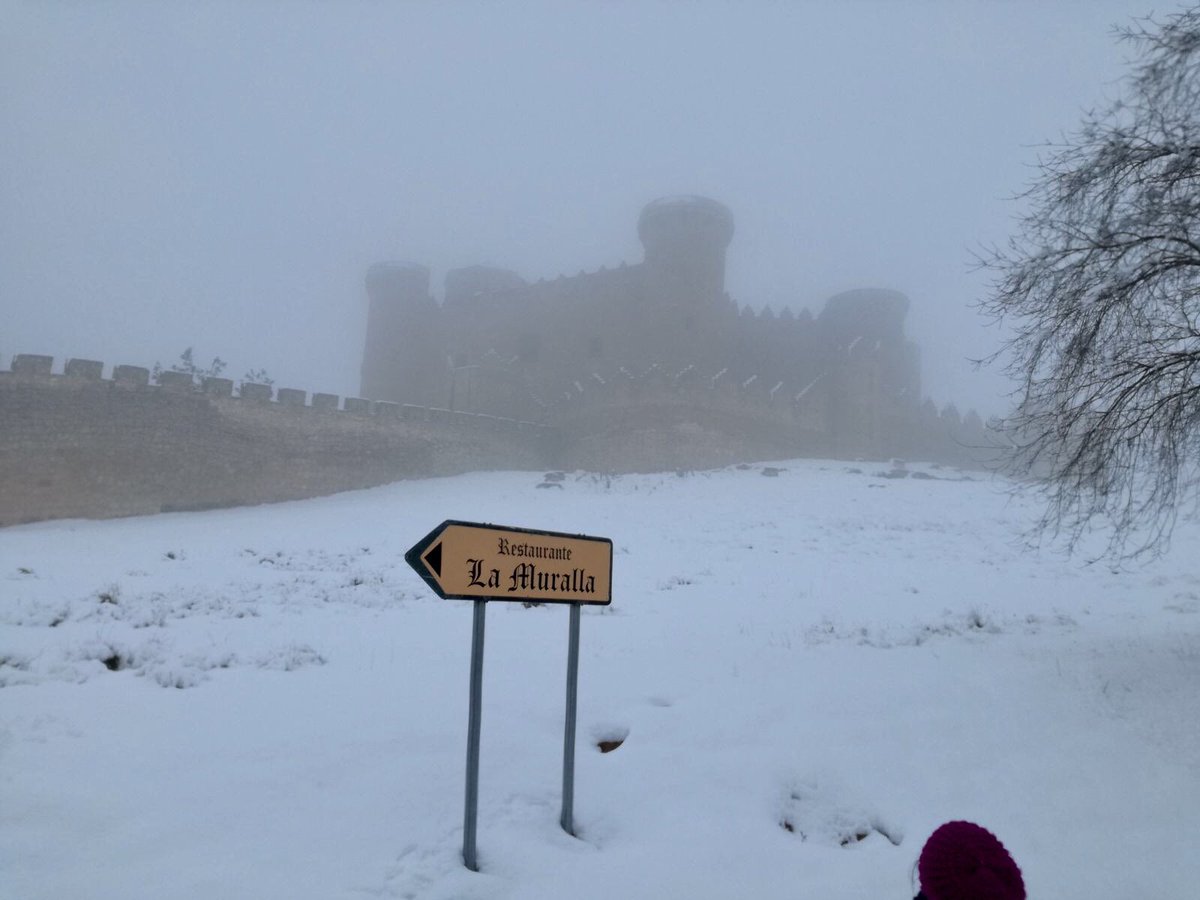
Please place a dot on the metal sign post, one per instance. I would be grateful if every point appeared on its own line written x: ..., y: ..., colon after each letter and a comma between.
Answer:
x: 567, y: 819
x: 473, y: 561
x: 474, y: 721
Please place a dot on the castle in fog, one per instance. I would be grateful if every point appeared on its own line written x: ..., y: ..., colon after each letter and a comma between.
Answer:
x: 847, y: 381
x: 647, y: 367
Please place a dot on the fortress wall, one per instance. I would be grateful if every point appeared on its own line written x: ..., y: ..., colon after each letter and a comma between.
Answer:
x: 656, y: 422
x: 657, y: 435
x: 79, y: 445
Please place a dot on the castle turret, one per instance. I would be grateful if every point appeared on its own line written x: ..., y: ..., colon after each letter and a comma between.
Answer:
x: 685, y: 240
x: 875, y: 314
x: 403, y: 360
x: 874, y: 372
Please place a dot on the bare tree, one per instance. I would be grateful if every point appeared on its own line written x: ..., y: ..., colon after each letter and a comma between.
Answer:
x: 1101, y: 288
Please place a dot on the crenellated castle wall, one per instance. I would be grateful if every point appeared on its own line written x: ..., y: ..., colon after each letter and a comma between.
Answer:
x: 76, y: 444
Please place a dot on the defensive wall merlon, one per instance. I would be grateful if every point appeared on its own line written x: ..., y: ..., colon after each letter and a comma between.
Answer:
x: 80, y: 372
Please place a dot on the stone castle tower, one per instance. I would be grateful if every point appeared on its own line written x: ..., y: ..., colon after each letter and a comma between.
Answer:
x: 500, y: 345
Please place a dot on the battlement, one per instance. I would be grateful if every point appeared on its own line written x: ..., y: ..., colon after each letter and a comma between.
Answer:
x: 79, y: 372
x: 77, y: 444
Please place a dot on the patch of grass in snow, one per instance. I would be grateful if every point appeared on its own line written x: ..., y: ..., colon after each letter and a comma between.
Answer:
x: 609, y: 737
x: 15, y: 661
x: 822, y: 814
x: 975, y: 622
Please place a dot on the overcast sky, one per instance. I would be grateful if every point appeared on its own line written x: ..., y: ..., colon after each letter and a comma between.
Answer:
x: 220, y: 175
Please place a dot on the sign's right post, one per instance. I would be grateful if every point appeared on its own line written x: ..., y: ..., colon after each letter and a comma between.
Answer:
x: 567, y: 819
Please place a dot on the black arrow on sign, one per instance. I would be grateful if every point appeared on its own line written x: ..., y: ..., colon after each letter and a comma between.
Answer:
x: 425, y: 557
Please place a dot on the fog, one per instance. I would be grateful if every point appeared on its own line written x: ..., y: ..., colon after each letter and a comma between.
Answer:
x: 220, y: 175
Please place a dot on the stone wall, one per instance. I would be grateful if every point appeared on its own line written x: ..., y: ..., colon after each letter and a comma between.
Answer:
x: 74, y: 444
x: 653, y: 420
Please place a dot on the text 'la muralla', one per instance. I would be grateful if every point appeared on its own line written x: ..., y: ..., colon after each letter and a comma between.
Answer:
x: 528, y: 577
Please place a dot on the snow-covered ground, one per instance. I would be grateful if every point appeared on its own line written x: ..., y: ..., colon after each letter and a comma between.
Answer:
x: 810, y: 672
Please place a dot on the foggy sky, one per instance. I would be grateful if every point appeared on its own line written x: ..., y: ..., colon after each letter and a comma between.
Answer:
x: 220, y: 175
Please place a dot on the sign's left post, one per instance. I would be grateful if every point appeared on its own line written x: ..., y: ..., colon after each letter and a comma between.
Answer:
x: 474, y: 723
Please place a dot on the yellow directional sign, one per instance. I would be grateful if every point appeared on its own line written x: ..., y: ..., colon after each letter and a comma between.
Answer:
x: 473, y: 561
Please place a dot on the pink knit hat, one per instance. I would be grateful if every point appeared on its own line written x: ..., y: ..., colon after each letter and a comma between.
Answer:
x: 962, y: 861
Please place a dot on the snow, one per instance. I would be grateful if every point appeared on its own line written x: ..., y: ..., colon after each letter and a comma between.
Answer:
x: 809, y: 673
